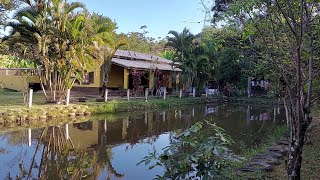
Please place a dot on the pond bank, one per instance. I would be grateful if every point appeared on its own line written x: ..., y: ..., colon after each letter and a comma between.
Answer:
x: 12, y: 116
x: 310, y: 168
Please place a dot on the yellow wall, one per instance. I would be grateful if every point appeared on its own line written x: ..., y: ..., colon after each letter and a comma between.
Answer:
x: 168, y: 83
x: 116, y: 77
x: 97, y: 80
x: 18, y: 83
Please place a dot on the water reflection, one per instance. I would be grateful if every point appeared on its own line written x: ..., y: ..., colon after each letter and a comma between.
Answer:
x: 110, y: 149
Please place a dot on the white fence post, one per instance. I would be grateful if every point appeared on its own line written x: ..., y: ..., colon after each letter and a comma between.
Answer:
x: 67, y: 131
x: 128, y: 94
x: 106, y: 92
x: 206, y: 93
x: 7, y: 72
x: 193, y: 92
x: 164, y: 93
x: 180, y: 93
x: 146, y: 94
x: 30, y: 98
x: 68, y: 97
x: 54, y: 95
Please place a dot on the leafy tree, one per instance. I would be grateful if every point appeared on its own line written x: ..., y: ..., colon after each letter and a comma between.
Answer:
x: 284, y: 33
x: 198, y: 152
x: 64, y: 41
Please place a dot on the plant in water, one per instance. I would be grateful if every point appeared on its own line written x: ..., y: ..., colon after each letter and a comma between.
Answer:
x: 199, y: 152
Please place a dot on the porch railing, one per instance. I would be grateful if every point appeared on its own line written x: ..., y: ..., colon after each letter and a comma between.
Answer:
x: 21, y: 72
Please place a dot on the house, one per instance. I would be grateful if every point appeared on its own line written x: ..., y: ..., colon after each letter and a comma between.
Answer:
x: 120, y: 77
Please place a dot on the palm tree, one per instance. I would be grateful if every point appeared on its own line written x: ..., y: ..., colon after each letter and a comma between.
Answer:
x: 65, y: 42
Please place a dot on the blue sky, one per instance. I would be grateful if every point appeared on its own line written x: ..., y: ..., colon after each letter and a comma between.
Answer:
x: 159, y: 16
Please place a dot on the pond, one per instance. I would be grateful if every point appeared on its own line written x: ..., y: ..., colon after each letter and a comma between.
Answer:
x: 111, y: 146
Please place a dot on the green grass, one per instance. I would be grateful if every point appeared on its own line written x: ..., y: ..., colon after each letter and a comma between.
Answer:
x: 133, y: 105
x: 13, y: 98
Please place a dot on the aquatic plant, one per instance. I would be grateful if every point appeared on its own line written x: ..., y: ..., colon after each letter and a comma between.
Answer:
x: 198, y: 152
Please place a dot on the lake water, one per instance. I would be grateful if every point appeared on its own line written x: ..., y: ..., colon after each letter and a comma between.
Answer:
x: 109, y: 147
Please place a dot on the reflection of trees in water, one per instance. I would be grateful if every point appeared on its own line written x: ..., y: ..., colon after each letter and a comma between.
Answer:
x: 60, y: 160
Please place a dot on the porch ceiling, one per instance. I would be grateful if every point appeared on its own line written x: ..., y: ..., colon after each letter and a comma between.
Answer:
x: 143, y: 65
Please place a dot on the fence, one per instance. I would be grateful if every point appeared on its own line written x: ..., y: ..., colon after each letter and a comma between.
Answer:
x: 21, y: 72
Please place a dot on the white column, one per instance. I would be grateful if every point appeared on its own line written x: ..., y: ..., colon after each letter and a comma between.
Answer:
x: 29, y: 137
x: 68, y: 97
x: 128, y: 94
x: 165, y: 94
x: 54, y: 95
x: 106, y: 92
x: 193, y: 92
x: 30, y: 98
x: 193, y: 112
x: 180, y: 114
x: 180, y: 93
x: 146, y: 94
x: 67, y: 131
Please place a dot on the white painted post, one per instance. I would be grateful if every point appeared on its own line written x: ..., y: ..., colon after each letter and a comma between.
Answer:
x: 30, y: 98
x: 67, y: 131
x: 164, y: 93
x: 7, y: 72
x: 206, y: 92
x: 146, y: 94
x: 29, y: 137
x: 180, y: 114
x: 68, y: 97
x: 193, y: 92
x: 180, y: 94
x: 106, y: 92
x: 128, y: 94
x: 54, y: 95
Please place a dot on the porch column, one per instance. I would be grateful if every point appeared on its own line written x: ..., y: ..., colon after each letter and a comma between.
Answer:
x: 125, y: 78
x: 151, y: 79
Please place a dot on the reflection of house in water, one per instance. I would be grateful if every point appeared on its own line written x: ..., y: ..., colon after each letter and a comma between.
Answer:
x: 211, y: 110
x: 261, y: 115
x: 130, y: 129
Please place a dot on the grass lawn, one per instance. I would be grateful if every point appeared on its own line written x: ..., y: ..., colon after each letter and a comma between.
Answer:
x: 9, y: 98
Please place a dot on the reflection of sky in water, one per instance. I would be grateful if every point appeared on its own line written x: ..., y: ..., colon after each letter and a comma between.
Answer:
x: 132, y: 138
x: 127, y: 156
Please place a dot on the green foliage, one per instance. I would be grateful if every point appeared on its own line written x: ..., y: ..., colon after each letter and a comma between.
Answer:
x: 139, y: 42
x: 9, y: 61
x: 198, y: 152
x: 64, y: 39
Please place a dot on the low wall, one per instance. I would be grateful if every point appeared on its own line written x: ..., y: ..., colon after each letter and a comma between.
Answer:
x: 18, y: 83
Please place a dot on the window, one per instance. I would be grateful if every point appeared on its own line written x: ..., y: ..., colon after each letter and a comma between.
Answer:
x: 88, y: 78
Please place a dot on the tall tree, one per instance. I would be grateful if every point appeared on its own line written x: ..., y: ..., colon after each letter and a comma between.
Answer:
x: 63, y: 40
x: 284, y: 31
